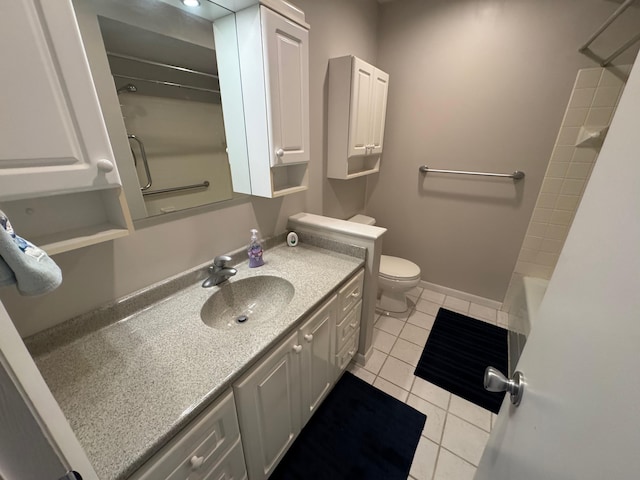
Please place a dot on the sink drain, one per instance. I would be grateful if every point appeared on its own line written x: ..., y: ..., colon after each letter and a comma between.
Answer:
x: 242, y: 319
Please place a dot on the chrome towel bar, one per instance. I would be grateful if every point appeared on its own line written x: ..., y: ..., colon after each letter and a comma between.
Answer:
x: 517, y: 175
x: 204, y: 184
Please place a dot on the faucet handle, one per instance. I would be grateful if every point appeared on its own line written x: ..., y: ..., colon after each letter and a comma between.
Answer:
x: 221, y: 260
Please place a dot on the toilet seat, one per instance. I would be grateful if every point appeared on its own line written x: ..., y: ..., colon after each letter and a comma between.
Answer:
x: 395, y: 268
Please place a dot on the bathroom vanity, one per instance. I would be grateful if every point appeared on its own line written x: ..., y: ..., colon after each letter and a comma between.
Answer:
x: 151, y: 391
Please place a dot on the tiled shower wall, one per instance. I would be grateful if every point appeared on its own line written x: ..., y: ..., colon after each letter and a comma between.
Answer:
x: 593, y: 101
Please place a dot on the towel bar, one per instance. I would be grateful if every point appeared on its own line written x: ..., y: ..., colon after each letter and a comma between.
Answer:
x: 517, y: 175
x: 204, y: 184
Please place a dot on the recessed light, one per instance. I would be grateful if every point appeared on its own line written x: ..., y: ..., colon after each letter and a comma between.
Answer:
x: 191, y: 3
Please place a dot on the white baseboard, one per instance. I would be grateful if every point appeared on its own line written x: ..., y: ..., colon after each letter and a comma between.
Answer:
x: 469, y: 297
x: 361, y: 359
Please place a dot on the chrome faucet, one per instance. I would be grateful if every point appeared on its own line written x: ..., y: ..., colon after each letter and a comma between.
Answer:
x: 219, y: 272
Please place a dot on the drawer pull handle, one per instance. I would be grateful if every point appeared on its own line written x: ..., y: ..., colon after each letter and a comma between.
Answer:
x: 308, y: 337
x: 196, y: 462
x: 297, y: 348
x: 355, y: 294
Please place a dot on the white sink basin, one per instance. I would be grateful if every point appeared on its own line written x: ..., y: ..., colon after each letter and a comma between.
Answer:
x: 246, y: 301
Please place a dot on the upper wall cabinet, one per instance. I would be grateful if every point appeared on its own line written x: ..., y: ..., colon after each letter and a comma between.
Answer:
x: 274, y: 66
x: 58, y: 179
x: 357, y: 111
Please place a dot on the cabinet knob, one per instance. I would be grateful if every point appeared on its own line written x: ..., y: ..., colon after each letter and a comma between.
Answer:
x: 308, y: 337
x: 297, y: 348
x: 105, y: 165
x: 196, y: 462
x: 355, y: 294
x: 353, y: 325
x: 279, y: 153
x: 351, y: 353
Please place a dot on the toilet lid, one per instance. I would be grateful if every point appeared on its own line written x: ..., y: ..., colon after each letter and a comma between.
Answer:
x: 394, y: 267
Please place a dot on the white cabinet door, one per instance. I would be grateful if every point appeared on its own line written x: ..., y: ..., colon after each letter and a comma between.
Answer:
x: 360, y: 120
x: 286, y: 60
x: 318, y: 367
x: 268, y: 401
x: 52, y: 132
x: 378, y: 110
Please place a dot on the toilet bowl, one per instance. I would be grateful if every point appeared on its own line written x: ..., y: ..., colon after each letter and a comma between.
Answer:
x: 395, y: 278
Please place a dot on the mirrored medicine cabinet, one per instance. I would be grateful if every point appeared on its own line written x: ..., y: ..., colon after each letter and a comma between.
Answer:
x: 155, y: 69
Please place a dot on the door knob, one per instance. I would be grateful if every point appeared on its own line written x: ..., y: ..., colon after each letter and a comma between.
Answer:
x: 495, y: 381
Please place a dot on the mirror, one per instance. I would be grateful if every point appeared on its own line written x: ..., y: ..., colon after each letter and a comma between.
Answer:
x: 156, y: 73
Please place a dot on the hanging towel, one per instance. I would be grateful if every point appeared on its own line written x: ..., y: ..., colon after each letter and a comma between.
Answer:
x: 24, y: 264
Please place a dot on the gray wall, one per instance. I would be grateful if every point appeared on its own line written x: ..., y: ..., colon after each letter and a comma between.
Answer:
x: 475, y: 85
x: 338, y: 28
x: 101, y: 273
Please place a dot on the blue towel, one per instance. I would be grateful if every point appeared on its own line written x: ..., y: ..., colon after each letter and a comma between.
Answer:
x: 25, y: 265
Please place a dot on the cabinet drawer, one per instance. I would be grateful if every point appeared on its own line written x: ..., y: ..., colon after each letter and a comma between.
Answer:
x: 348, y: 351
x: 349, y: 324
x: 202, y: 443
x: 231, y: 467
x: 350, y: 294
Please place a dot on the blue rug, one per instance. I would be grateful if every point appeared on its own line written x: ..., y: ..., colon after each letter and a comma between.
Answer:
x: 358, y: 433
x: 458, y: 351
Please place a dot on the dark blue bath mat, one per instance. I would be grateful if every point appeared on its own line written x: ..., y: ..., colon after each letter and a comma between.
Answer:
x: 358, y: 433
x: 458, y: 351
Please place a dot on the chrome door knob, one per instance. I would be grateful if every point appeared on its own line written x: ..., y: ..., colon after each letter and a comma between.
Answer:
x: 495, y: 381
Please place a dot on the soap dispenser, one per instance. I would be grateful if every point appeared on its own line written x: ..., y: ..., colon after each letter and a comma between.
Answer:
x: 255, y: 250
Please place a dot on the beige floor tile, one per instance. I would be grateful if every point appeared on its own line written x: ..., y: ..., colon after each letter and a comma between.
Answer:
x: 431, y: 393
x: 414, y: 334
x: 456, y: 304
x: 392, y: 389
x: 435, y: 417
x: 435, y: 297
x: 390, y: 325
x: 361, y: 373
x: 503, y: 319
x: 422, y: 320
x: 424, y: 460
x: 464, y: 439
x: 375, y: 362
x: 383, y: 341
x: 406, y: 351
x: 427, y: 306
x: 451, y: 467
x: 481, y: 312
x: 470, y: 412
x: 398, y: 372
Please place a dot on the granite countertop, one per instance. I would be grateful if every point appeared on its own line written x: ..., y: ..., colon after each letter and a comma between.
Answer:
x: 130, y: 385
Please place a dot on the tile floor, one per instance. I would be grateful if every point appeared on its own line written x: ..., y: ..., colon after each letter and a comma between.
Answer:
x: 456, y: 431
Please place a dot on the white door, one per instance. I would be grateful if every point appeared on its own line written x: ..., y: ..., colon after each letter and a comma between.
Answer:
x: 318, y: 368
x: 286, y: 58
x: 36, y: 441
x: 52, y: 131
x: 378, y: 110
x: 360, y: 117
x: 580, y: 413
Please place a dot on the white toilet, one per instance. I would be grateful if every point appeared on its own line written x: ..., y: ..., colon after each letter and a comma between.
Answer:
x: 397, y: 276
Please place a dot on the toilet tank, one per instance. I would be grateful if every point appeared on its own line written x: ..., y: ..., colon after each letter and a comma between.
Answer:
x: 363, y: 219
